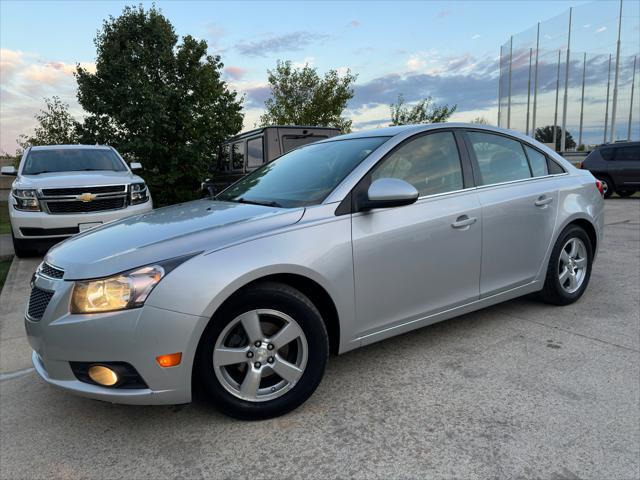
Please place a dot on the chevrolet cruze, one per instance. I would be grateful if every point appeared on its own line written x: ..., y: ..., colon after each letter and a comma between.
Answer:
x: 333, y: 246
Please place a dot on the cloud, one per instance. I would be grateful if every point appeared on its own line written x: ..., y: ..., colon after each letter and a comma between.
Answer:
x: 476, y: 36
x: 234, y: 72
x: 25, y: 79
x: 279, y: 43
x: 214, y: 33
x: 306, y: 61
x: 256, y: 95
x: 353, y: 24
x: 444, y: 13
x: 601, y: 29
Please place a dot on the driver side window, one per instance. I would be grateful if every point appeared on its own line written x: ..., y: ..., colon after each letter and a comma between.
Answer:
x: 430, y: 163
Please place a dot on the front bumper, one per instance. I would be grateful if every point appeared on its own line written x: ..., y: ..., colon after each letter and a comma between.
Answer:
x: 135, y: 336
x: 60, y: 226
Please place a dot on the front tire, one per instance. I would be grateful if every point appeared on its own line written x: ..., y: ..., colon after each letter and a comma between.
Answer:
x: 263, y: 353
x: 569, y: 267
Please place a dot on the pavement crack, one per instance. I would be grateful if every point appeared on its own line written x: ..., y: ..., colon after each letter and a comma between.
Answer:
x: 570, y: 332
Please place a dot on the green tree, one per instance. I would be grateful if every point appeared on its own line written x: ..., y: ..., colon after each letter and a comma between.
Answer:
x: 55, y: 126
x: 480, y: 121
x: 157, y: 101
x: 545, y: 135
x: 425, y: 111
x: 299, y: 96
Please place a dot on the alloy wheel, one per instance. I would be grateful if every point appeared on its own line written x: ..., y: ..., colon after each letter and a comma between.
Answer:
x: 572, y: 268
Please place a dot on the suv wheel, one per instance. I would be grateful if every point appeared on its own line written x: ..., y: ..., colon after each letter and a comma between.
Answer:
x: 264, y: 353
x: 625, y: 193
x: 607, y: 185
x: 569, y: 267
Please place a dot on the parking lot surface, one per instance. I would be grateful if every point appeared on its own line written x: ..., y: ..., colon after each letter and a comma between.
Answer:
x: 519, y: 390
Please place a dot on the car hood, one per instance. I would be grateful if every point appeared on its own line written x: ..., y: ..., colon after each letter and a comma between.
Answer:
x: 75, y: 179
x: 169, y: 232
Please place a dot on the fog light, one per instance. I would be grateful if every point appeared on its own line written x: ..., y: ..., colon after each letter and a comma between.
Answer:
x: 170, y: 360
x: 103, y: 375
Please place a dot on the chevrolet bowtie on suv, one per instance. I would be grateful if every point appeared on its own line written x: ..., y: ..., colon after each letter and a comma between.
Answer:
x: 61, y: 190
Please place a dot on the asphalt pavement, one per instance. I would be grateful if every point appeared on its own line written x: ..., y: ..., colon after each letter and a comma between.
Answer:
x: 518, y: 390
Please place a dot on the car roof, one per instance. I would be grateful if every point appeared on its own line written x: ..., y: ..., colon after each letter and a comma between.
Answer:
x: 618, y: 144
x: 258, y: 130
x: 71, y: 147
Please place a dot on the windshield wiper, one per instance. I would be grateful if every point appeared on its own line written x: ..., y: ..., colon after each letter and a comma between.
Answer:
x: 266, y: 203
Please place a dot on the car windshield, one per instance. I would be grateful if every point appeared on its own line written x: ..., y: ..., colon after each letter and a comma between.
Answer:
x: 72, y: 160
x: 304, y: 176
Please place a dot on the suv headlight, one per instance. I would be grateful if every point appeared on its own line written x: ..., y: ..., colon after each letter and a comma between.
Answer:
x: 138, y: 193
x: 127, y: 290
x: 26, y: 199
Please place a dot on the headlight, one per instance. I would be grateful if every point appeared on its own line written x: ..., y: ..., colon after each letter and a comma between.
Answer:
x: 138, y: 193
x: 26, y: 200
x: 126, y: 290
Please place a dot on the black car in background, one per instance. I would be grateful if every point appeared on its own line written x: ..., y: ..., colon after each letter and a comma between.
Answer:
x: 617, y: 166
x: 247, y: 151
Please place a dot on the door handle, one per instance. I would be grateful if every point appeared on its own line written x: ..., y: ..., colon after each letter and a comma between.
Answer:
x: 543, y: 200
x: 464, y: 221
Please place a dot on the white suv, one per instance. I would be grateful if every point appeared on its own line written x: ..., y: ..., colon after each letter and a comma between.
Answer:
x: 61, y: 190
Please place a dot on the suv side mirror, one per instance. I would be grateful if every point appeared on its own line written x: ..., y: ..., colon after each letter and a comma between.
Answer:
x: 389, y: 192
x: 9, y: 170
x: 135, y: 166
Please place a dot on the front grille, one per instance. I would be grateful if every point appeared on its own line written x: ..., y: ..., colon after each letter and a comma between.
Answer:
x: 81, y: 207
x: 38, y: 302
x: 51, y: 272
x: 81, y: 190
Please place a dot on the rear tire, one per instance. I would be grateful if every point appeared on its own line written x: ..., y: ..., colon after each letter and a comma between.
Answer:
x: 569, y: 267
x: 625, y: 193
x: 260, y: 372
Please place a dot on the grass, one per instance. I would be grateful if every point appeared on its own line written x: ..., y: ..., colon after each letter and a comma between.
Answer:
x: 4, y: 269
x: 4, y: 218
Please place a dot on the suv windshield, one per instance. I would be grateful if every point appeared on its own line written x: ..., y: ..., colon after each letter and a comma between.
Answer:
x: 72, y: 160
x: 304, y: 176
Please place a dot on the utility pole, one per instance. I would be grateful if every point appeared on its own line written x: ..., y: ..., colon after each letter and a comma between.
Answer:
x: 563, y: 139
x: 615, y: 81
x: 584, y: 73
x: 633, y: 83
x: 529, y: 90
x: 535, y: 85
x: 606, y: 110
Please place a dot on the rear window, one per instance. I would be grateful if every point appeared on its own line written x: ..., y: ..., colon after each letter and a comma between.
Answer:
x: 500, y: 159
x: 538, y: 162
x: 291, y: 142
x: 72, y: 160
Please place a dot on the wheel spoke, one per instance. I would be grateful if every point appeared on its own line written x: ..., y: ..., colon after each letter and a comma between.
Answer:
x: 581, y: 262
x: 564, y: 275
x: 286, y: 370
x: 229, y: 356
x: 285, y: 335
x: 251, y: 324
x: 564, y: 257
x: 573, y: 251
x: 573, y: 282
x: 251, y: 382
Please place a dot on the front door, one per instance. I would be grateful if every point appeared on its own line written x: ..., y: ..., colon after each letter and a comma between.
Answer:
x: 417, y: 260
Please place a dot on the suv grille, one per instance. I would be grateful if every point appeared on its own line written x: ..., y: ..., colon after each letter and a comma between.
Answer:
x: 51, y: 272
x: 94, y: 206
x: 38, y: 302
x: 81, y: 190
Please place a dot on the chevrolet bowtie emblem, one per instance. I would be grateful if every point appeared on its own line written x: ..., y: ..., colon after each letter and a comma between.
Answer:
x: 86, y: 197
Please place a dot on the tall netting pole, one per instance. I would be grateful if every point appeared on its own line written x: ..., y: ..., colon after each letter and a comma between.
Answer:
x: 529, y: 90
x: 555, y: 112
x: 615, y: 81
x: 633, y: 82
x: 500, y: 85
x: 563, y: 133
x: 606, y: 110
x: 584, y: 73
x: 535, y: 85
x: 509, y: 100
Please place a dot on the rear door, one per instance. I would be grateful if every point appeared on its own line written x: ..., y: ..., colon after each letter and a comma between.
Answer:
x: 624, y: 166
x: 519, y: 204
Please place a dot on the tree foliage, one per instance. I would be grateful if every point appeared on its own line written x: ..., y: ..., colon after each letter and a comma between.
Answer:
x: 425, y: 111
x: 157, y: 101
x: 55, y: 126
x: 300, y: 96
x: 480, y: 121
x: 545, y: 135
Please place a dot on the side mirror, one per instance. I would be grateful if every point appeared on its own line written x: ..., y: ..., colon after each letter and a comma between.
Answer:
x: 135, y: 166
x: 9, y: 170
x: 389, y: 192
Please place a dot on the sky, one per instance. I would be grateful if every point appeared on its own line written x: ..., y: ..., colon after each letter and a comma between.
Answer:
x: 448, y: 50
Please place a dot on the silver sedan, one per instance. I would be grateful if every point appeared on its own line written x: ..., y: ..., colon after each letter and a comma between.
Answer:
x: 333, y: 246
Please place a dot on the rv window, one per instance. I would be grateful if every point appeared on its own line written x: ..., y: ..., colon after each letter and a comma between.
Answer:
x: 225, y: 160
x: 290, y: 142
x: 255, y: 153
x: 237, y: 156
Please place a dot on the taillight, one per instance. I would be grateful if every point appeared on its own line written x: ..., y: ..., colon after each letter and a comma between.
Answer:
x: 579, y: 165
x: 600, y: 187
